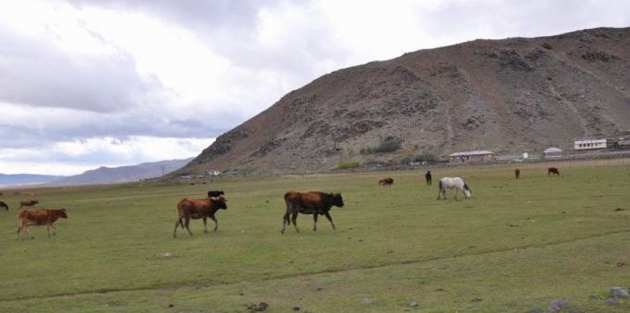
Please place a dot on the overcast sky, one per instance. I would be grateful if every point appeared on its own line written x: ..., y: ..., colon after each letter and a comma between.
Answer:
x: 90, y: 83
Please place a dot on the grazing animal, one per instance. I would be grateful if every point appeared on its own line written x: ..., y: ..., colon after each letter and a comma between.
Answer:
x: 196, y: 209
x: 386, y: 181
x: 310, y: 202
x: 215, y: 193
x: 456, y: 183
x: 4, y: 206
x: 28, y: 203
x: 517, y: 173
x: 553, y: 170
x: 38, y: 217
x: 428, y: 178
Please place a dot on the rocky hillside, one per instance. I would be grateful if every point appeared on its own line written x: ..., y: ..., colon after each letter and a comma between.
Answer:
x: 508, y: 96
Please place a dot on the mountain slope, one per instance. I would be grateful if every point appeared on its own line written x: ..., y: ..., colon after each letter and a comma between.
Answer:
x: 509, y: 96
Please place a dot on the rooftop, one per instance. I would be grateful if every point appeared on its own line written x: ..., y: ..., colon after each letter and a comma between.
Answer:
x: 476, y: 152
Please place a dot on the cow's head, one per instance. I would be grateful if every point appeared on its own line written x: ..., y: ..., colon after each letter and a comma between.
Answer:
x: 219, y: 203
x: 337, y: 200
x: 62, y: 213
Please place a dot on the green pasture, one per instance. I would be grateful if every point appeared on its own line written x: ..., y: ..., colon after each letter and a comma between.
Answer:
x: 516, y: 246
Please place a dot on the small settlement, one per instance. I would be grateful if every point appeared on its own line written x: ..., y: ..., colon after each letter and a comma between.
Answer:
x: 580, y: 146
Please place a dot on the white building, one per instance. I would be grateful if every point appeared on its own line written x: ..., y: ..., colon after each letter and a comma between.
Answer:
x: 589, y: 144
x: 472, y: 156
x: 552, y: 152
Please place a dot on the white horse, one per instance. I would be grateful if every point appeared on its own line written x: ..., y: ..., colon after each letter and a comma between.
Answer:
x: 453, y: 183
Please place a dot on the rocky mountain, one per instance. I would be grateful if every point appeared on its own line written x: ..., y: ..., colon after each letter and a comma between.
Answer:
x: 508, y: 96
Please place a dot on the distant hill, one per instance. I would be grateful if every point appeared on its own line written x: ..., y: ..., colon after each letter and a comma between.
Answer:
x: 123, y: 174
x: 509, y: 96
x: 102, y: 175
x: 16, y: 180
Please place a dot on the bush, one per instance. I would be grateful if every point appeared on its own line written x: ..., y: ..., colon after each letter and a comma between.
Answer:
x: 426, y: 157
x: 348, y: 165
x: 389, y: 144
x: 420, y: 158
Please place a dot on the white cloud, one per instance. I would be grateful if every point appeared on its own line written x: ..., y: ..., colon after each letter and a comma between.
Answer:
x: 66, y: 157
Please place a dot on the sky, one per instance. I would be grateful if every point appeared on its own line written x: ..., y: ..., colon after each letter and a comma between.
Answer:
x: 91, y: 83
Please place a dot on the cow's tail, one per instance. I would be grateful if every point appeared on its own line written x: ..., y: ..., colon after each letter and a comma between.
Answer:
x: 440, y: 187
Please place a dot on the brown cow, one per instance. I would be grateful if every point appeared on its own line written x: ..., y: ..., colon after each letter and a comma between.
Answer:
x: 553, y: 170
x: 310, y: 202
x: 196, y: 209
x: 39, y: 217
x: 28, y: 203
x: 386, y: 181
x: 517, y: 173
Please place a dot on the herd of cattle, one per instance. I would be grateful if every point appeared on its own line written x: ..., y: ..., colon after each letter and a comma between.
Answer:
x: 310, y: 202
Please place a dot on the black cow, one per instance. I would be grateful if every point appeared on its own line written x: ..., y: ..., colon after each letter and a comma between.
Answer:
x: 215, y: 193
x: 428, y: 178
x: 553, y: 170
x: 386, y: 181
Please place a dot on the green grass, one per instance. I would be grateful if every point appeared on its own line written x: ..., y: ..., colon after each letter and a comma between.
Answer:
x: 514, y: 247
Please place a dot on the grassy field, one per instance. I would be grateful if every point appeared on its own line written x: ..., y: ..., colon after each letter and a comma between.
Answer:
x: 516, y: 246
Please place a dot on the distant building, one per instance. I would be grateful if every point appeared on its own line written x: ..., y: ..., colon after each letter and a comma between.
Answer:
x: 213, y: 173
x: 552, y: 152
x: 589, y: 144
x: 471, y: 156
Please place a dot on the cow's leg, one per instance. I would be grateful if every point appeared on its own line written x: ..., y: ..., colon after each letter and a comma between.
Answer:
x: 315, y: 221
x: 330, y: 219
x: 48, y: 230
x: 285, y: 220
x: 216, y: 223
x: 294, y: 219
x: 25, y: 229
x: 178, y: 222
x: 205, y: 225
x: 17, y: 233
x: 187, y: 223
